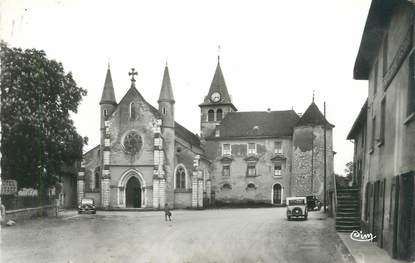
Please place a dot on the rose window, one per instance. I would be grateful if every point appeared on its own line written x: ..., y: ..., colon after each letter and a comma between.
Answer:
x: 132, y: 143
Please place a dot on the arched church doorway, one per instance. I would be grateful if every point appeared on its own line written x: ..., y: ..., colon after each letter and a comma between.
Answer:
x: 133, y: 193
x: 277, y: 194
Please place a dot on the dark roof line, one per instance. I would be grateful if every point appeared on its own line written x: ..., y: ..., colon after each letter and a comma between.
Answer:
x: 90, y: 150
x: 377, y: 20
x: 360, y: 120
x: 257, y: 124
x: 186, y: 135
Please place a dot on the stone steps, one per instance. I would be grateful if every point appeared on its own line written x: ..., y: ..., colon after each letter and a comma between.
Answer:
x: 348, y: 210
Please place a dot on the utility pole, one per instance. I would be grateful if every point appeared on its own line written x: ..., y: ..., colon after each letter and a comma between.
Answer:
x: 325, y: 160
x: 312, y: 161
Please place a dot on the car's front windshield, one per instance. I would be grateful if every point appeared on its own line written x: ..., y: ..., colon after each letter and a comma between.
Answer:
x: 87, y: 201
x: 296, y: 202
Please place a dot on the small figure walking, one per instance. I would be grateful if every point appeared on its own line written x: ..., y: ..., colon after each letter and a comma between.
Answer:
x: 167, y: 212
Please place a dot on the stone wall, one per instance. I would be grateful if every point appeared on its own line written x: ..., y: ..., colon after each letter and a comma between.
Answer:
x: 308, y: 161
x: 183, y: 199
x: 239, y: 180
x: 29, y: 213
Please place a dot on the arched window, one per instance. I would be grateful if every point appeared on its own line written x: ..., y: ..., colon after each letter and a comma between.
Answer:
x: 97, y: 178
x: 250, y: 186
x: 164, y: 111
x: 132, y: 111
x: 219, y: 115
x: 105, y: 113
x: 180, y: 178
x: 211, y: 115
x: 226, y: 187
x: 277, y: 194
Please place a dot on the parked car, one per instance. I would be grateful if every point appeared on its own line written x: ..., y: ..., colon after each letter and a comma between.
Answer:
x: 313, y: 204
x: 297, y: 208
x: 87, y: 205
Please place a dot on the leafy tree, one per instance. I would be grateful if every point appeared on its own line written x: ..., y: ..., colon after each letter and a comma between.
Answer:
x: 38, y: 135
x: 349, y: 170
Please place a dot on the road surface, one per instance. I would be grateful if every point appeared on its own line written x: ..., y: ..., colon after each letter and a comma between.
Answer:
x: 223, y: 235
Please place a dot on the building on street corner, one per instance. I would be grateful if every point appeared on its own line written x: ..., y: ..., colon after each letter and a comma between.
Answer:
x: 146, y: 159
x: 384, y: 131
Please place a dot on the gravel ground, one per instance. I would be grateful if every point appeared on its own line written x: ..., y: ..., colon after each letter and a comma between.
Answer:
x: 224, y: 235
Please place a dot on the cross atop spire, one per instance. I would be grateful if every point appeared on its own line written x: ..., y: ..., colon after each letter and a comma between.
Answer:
x: 313, y: 94
x: 132, y: 74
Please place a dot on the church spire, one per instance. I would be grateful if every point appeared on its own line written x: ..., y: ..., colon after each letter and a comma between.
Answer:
x: 218, y: 85
x: 166, y: 92
x: 108, y: 96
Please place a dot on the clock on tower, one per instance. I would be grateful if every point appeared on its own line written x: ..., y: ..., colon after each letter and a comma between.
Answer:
x: 215, y: 97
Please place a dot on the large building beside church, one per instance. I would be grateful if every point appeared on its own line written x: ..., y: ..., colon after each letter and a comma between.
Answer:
x: 146, y: 159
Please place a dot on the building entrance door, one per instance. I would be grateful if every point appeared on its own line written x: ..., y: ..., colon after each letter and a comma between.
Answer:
x: 277, y: 194
x: 405, y: 217
x: 133, y: 193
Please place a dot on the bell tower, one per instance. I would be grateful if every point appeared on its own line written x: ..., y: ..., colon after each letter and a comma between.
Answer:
x: 108, y: 102
x: 166, y: 108
x: 216, y: 105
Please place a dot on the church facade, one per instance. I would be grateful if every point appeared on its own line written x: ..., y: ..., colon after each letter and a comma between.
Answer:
x: 147, y: 160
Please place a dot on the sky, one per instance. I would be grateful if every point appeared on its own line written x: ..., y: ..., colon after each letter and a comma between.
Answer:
x: 273, y: 53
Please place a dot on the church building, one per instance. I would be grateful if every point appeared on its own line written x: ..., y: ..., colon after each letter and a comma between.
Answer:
x: 147, y: 160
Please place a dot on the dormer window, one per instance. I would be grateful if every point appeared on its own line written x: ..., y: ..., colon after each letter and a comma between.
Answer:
x: 251, y: 148
x: 211, y: 115
x: 132, y: 111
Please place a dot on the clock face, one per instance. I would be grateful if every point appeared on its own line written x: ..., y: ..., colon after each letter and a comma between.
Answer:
x: 215, y: 97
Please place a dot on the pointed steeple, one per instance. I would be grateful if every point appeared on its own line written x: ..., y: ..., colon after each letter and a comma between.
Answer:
x: 218, y: 85
x: 166, y: 92
x: 108, y: 96
x: 218, y: 93
x: 313, y: 117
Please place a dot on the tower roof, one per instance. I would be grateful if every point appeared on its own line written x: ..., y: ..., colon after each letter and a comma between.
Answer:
x: 166, y: 92
x: 218, y: 85
x: 313, y: 116
x: 108, y: 96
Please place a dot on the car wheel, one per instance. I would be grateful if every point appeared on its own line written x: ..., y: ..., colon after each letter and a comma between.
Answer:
x: 79, y: 212
x: 289, y: 218
x: 94, y: 212
x: 305, y: 217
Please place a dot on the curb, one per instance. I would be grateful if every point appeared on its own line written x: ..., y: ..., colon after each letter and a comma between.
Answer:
x: 344, y: 250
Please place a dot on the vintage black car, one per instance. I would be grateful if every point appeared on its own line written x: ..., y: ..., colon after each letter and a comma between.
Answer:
x: 313, y: 204
x: 87, y: 205
x: 296, y: 208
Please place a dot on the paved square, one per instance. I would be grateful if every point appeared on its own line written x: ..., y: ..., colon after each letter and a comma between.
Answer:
x: 224, y: 235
